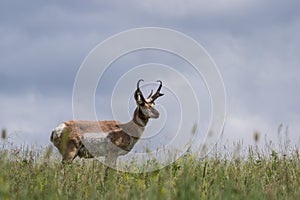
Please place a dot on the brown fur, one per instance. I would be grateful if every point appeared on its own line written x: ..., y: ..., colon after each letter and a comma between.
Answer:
x: 121, y: 135
x: 70, y: 142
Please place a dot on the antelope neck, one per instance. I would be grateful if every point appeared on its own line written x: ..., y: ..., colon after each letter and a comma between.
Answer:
x: 139, y: 118
x: 136, y: 126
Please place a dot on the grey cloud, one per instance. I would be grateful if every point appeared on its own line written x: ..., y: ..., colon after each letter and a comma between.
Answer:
x: 255, y: 45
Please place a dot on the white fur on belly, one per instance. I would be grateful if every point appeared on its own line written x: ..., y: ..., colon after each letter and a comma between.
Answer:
x: 98, y: 144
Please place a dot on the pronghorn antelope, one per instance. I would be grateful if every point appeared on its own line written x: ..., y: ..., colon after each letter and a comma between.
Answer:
x: 110, y: 139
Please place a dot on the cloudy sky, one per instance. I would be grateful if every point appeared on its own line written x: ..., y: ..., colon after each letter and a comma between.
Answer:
x: 255, y: 45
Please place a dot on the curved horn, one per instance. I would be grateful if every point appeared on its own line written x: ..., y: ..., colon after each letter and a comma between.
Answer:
x: 157, y: 93
x: 160, y: 85
x: 138, y: 84
x: 138, y: 95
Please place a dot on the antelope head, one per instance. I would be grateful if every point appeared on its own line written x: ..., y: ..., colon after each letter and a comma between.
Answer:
x: 146, y: 105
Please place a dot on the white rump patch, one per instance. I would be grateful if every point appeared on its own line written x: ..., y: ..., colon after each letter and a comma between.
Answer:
x: 58, y: 130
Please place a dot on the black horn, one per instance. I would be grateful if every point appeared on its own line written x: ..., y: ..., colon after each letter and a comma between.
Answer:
x: 157, y: 93
x: 138, y: 95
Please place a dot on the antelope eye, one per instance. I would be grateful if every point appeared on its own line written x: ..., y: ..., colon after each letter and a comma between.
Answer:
x: 142, y: 104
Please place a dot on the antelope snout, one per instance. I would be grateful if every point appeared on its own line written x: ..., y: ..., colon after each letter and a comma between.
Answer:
x: 154, y: 113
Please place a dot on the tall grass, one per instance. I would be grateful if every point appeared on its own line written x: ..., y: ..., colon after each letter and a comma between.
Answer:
x: 31, y: 173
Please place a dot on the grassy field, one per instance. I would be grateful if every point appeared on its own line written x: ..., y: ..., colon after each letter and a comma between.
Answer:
x: 27, y: 173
